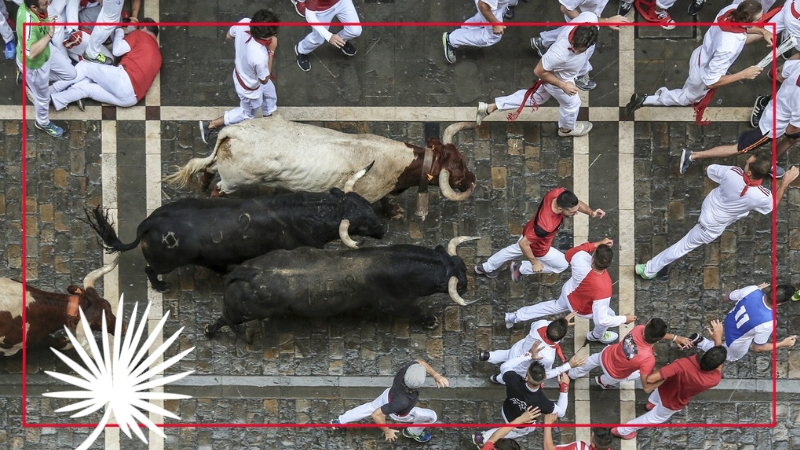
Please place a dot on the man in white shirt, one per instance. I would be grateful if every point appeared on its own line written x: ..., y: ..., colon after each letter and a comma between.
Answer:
x: 111, y: 13
x: 787, y: 124
x: 750, y: 321
x: 323, y: 11
x: 566, y: 60
x: 739, y: 192
x: 543, y: 339
x: 255, y: 49
x: 491, y: 11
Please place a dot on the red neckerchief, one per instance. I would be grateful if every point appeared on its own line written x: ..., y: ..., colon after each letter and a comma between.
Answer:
x: 748, y: 183
x: 265, y: 42
x: 543, y: 333
x: 569, y: 39
x: 700, y: 108
x: 794, y: 12
x: 726, y: 23
x: 513, y: 116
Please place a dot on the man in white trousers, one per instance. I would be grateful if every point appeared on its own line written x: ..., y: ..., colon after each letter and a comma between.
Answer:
x: 565, y: 60
x: 537, y: 238
x: 255, y: 50
x: 543, y: 340
x: 739, y: 192
x: 399, y: 403
x: 123, y: 85
x: 42, y: 63
x: 111, y: 13
x: 749, y: 323
x: 323, y: 11
x: 587, y: 293
x: 676, y: 384
x: 491, y: 11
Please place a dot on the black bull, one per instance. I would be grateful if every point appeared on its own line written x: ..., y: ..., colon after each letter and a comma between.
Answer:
x: 321, y: 283
x: 216, y: 233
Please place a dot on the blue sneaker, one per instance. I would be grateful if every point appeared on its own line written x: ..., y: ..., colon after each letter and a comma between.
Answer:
x: 11, y: 50
x: 51, y: 129
x: 335, y: 422
x: 422, y: 437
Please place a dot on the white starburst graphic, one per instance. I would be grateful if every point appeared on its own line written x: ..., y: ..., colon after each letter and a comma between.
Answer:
x: 120, y: 381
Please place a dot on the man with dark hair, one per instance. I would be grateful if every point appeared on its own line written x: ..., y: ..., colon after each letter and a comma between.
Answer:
x: 252, y: 72
x: 498, y: 440
x: 537, y: 238
x: 123, y: 85
x: 523, y: 393
x: 749, y: 323
x: 739, y: 192
x: 630, y: 358
x: 601, y: 438
x: 543, y: 340
x: 677, y: 382
x: 564, y: 62
x: 399, y: 403
x: 587, y: 293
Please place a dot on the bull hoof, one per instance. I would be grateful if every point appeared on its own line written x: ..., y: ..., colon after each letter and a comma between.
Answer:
x: 395, y: 212
x: 162, y: 286
x: 248, y: 336
x: 207, y: 332
x: 431, y: 323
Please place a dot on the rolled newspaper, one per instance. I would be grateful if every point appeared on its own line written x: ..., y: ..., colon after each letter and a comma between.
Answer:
x: 785, y: 46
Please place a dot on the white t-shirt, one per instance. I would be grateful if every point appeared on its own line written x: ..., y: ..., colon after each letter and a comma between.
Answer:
x: 548, y: 353
x: 595, y: 6
x: 760, y: 334
x: 787, y: 102
x: 719, y: 50
x: 252, y: 61
x: 560, y: 59
x: 494, y: 4
x: 725, y: 205
x: 791, y: 18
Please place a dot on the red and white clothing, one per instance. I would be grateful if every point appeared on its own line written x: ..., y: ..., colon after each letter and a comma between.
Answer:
x: 721, y: 46
x: 629, y: 359
x: 578, y: 445
x: 587, y: 293
x: 515, y: 357
x: 251, y: 65
x: 593, y: 6
x: 787, y: 20
x: 732, y: 200
x: 787, y: 102
x: 111, y: 12
x: 123, y: 85
x: 684, y: 380
x: 473, y: 36
x: 564, y: 64
x: 323, y: 11
x: 539, y: 231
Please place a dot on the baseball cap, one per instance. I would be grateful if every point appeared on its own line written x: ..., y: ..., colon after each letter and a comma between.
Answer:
x: 415, y: 376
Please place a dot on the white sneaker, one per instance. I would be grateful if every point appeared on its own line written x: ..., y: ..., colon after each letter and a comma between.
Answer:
x: 580, y: 129
x: 608, y: 337
x: 482, y: 112
x: 510, y: 319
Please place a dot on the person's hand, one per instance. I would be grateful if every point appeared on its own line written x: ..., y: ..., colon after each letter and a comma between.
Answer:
x: 715, y: 330
x: 134, y: 20
x: 616, y: 19
x: 788, y: 342
x: 791, y: 174
x: 537, y: 266
x: 767, y: 37
x: 441, y: 381
x: 763, y: 285
x: 571, y: 319
x: 535, y: 349
x: 550, y: 418
x: 598, y: 213
x: 563, y: 378
x: 336, y: 41
x: 390, y: 435
x: 605, y: 241
x: 570, y: 89
x: 683, y: 342
x: 498, y: 29
x: 629, y: 318
x: 529, y: 415
x: 577, y: 361
x: 751, y: 72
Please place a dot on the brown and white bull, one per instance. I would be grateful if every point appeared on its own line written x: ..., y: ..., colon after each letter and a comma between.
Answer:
x: 278, y: 153
x: 48, y: 312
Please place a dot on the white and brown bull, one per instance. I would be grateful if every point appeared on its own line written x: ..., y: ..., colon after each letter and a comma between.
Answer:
x: 278, y: 153
x: 48, y: 312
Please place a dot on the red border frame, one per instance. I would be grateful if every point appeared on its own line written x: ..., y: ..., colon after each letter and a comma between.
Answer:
x: 26, y: 424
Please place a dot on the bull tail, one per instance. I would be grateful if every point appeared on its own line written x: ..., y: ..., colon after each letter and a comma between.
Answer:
x: 183, y: 176
x: 98, y: 220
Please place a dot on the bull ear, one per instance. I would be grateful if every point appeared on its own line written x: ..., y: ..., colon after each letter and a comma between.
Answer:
x: 75, y: 290
x: 336, y: 192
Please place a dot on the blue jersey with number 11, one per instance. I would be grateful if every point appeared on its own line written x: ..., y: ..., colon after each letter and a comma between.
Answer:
x: 748, y: 313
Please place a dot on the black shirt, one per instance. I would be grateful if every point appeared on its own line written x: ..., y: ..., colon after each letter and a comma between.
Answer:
x: 401, y: 398
x: 519, y: 397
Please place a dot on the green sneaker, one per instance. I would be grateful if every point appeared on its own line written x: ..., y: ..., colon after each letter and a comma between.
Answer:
x: 100, y: 59
x: 640, y: 271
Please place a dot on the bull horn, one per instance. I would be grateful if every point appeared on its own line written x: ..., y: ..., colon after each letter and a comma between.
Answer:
x: 458, y: 240
x: 448, y: 192
x: 89, y: 280
x: 344, y: 236
x: 348, y: 187
x: 450, y: 131
x: 452, y: 289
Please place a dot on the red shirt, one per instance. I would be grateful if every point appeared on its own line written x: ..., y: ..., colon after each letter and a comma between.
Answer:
x: 142, y: 63
x: 579, y: 445
x: 684, y: 380
x: 632, y: 353
x: 320, y: 5
x: 541, y: 230
x: 585, y: 286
